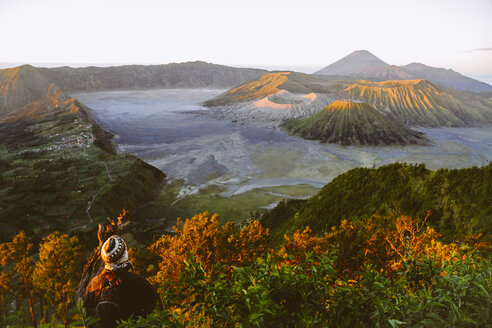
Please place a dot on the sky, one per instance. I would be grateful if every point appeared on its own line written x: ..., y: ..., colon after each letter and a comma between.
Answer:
x: 302, y: 35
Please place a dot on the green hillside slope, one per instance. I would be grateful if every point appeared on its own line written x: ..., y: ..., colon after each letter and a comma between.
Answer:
x: 459, y: 199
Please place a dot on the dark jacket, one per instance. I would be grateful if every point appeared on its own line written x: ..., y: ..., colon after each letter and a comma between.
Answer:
x: 116, y: 295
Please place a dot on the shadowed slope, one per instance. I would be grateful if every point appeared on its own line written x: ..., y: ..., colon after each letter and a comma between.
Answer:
x: 348, y: 123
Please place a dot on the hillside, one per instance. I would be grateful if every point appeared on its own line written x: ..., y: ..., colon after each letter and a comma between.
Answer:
x: 353, y: 123
x: 270, y: 84
x: 459, y: 200
x: 20, y: 86
x: 362, y: 64
x: 418, y: 102
x: 274, y: 98
x: 52, y: 103
x: 175, y: 75
x: 59, y: 170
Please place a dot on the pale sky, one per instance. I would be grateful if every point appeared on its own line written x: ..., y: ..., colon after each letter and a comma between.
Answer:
x: 283, y: 34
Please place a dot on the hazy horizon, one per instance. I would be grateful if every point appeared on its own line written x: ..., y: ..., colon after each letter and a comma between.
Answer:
x: 312, y: 34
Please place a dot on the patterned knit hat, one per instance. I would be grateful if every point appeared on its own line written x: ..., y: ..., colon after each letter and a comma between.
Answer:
x: 114, y: 252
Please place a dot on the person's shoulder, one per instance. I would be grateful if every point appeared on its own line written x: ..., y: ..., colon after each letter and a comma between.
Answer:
x: 98, y: 282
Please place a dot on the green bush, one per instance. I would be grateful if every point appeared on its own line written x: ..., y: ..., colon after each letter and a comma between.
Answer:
x: 267, y: 294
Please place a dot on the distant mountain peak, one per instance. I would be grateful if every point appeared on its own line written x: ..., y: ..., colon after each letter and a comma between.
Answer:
x: 362, y: 64
x: 353, y: 64
x: 363, y: 53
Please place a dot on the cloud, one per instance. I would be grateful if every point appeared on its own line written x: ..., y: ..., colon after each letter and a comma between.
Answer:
x: 482, y: 49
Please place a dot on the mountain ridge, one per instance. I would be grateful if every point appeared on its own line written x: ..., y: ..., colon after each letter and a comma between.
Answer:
x: 196, y: 74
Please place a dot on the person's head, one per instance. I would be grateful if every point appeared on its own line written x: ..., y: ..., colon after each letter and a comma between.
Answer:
x: 114, y: 253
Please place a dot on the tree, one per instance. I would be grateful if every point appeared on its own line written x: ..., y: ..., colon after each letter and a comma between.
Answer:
x: 5, y: 278
x: 18, y: 251
x: 56, y: 272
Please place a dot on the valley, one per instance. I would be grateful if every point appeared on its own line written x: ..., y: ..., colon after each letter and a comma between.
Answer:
x: 236, y: 168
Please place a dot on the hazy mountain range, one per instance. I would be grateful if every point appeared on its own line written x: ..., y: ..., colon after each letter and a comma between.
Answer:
x: 362, y: 64
x: 195, y: 74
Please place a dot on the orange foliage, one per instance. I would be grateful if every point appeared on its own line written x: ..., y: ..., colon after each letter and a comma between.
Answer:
x: 387, y: 242
x: 4, y: 286
x: 479, y: 243
x: 409, y: 239
x: 203, y: 240
x: 384, y: 242
x: 249, y: 244
x: 300, y: 244
x: 56, y: 274
x: 19, y: 252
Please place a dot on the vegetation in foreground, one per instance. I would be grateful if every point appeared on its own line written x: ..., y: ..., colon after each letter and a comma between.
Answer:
x: 363, y: 252
x: 382, y: 271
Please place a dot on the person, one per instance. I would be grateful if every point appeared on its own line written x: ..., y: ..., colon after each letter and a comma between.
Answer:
x: 116, y: 293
